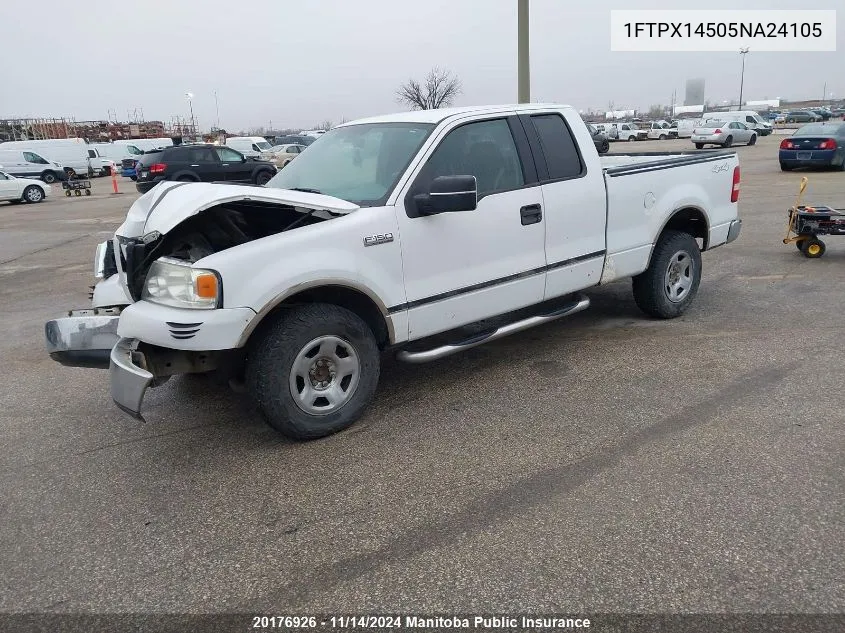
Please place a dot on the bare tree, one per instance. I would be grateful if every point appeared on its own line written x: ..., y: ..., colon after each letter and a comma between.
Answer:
x: 325, y: 126
x: 656, y: 111
x: 438, y: 89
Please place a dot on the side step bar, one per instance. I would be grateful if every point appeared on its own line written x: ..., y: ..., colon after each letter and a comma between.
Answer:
x: 582, y: 302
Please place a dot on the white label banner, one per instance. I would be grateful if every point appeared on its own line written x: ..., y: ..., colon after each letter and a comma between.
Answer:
x: 723, y: 30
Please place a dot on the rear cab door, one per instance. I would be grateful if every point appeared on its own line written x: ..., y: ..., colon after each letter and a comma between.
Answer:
x: 575, y: 207
x: 466, y: 266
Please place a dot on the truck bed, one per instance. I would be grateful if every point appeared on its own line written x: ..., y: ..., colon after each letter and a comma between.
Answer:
x: 645, y: 189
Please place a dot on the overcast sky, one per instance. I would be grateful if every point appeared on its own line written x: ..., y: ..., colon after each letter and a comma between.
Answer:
x: 297, y: 62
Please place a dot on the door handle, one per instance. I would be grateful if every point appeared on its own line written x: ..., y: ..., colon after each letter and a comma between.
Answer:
x: 531, y: 214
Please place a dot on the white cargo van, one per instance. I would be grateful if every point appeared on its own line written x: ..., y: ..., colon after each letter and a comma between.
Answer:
x: 70, y: 152
x: 101, y: 165
x: 24, y: 163
x: 751, y: 119
x: 251, y: 146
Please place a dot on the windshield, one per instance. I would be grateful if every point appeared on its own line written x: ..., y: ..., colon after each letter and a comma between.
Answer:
x: 264, y: 146
x: 357, y: 163
x: 817, y: 129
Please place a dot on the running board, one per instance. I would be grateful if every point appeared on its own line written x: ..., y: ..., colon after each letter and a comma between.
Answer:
x: 582, y: 302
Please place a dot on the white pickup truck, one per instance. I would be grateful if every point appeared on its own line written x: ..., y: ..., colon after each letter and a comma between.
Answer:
x: 422, y: 233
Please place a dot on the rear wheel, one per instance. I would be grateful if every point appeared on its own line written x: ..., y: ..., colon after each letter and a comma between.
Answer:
x: 49, y: 177
x: 33, y: 193
x: 753, y: 139
x: 785, y: 167
x: 699, y: 146
x: 729, y: 141
x: 263, y: 177
x: 670, y: 283
x: 314, y: 371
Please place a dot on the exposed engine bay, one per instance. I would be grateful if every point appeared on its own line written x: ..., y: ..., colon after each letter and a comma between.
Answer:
x: 211, y: 231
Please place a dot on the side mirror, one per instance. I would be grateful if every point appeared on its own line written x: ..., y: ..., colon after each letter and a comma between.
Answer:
x: 448, y: 194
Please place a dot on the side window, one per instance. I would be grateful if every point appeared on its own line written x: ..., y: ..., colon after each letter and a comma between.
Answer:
x: 485, y: 149
x: 31, y: 157
x: 749, y: 119
x: 227, y: 155
x: 559, y: 147
x: 92, y: 153
x: 255, y: 148
x: 293, y: 150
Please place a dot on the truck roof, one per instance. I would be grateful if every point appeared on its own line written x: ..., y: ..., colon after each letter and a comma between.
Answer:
x: 436, y: 116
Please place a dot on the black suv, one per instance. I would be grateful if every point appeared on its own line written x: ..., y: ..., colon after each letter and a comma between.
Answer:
x: 200, y: 163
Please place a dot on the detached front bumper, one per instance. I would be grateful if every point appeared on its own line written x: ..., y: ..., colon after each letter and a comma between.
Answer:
x: 85, y: 338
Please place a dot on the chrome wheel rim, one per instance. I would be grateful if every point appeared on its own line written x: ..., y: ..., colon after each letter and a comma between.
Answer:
x: 324, y: 375
x: 34, y: 195
x: 677, y: 282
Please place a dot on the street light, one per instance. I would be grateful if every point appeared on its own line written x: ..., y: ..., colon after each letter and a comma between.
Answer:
x: 743, y: 52
x: 190, y: 96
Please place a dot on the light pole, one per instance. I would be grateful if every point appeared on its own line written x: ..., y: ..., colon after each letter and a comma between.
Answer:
x: 217, y: 109
x: 523, y: 67
x: 190, y: 97
x: 743, y: 52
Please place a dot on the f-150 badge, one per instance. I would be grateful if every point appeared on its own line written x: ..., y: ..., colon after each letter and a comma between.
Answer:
x: 381, y: 238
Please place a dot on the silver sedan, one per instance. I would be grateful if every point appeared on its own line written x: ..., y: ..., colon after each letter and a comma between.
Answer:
x: 722, y: 133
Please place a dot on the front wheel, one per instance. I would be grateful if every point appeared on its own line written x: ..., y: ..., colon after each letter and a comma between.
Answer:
x: 314, y: 371
x: 812, y: 248
x: 662, y: 137
x: 668, y: 286
x: 33, y: 193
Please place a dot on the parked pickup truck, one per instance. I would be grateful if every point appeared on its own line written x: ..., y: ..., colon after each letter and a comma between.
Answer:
x: 423, y: 234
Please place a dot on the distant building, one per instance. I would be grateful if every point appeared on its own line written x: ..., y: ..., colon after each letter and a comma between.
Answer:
x: 695, y: 92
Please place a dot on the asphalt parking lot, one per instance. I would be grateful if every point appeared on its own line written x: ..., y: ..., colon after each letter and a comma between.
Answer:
x: 604, y: 463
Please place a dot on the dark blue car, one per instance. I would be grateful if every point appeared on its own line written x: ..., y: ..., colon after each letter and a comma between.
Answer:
x: 814, y: 145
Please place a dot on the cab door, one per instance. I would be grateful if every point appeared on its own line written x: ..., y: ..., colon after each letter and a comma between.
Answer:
x: 461, y: 267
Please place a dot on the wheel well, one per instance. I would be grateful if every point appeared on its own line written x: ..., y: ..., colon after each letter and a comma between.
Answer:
x: 690, y: 221
x: 353, y: 300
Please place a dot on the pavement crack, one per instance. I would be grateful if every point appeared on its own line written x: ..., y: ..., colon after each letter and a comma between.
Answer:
x: 46, y: 248
x: 521, y: 497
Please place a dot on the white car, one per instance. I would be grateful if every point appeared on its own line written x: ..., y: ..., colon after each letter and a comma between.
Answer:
x: 456, y: 228
x: 22, y: 189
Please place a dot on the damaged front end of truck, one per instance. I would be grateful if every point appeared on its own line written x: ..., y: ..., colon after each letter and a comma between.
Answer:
x: 169, y: 229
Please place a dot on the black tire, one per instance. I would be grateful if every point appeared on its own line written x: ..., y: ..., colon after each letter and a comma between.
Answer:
x: 662, y: 137
x: 699, y: 146
x: 785, y: 167
x: 133, y: 177
x: 729, y: 141
x: 87, y: 192
x: 33, y: 194
x: 186, y: 179
x: 790, y: 120
x: 651, y: 293
x: 812, y: 248
x: 271, y: 376
x: 49, y: 177
x: 263, y: 177
x: 753, y: 139
x: 67, y: 193
x: 78, y: 192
